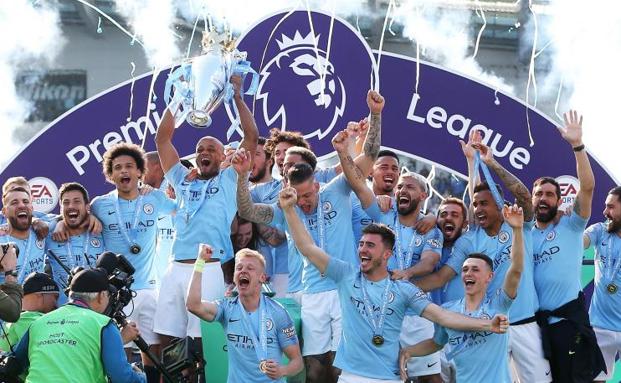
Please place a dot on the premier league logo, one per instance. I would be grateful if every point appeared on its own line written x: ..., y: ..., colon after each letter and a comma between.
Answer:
x: 308, y: 70
x: 309, y: 82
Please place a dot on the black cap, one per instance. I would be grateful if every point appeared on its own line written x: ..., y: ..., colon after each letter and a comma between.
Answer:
x: 89, y: 281
x: 39, y: 283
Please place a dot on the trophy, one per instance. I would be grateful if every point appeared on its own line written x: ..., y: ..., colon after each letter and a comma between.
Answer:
x: 201, y: 83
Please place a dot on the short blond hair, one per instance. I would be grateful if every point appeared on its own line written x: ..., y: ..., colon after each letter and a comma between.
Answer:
x: 13, y: 182
x: 248, y: 253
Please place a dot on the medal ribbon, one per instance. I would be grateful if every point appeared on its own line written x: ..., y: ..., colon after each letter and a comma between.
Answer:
x: 190, y: 213
x: 136, y: 217
x: 76, y: 259
x: 403, y: 261
x: 22, y: 269
x: 488, y: 178
x: 259, y: 341
x: 614, y: 263
x: 377, y: 327
x: 321, y: 229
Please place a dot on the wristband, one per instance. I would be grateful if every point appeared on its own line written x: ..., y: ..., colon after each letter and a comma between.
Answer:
x: 199, y: 265
x: 578, y: 148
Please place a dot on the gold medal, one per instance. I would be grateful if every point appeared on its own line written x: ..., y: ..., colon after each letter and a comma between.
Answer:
x: 263, y: 366
x: 377, y: 340
x: 612, y: 288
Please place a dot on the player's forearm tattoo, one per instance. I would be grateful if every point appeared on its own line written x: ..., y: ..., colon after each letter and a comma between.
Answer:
x: 353, y: 168
x: 374, y: 136
x: 516, y: 187
x: 271, y: 235
x: 247, y: 209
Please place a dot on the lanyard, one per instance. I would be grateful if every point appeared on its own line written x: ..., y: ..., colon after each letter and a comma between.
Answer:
x: 190, y: 213
x: 403, y: 260
x: 76, y: 258
x: 614, y: 263
x: 20, y: 275
x: 25, y: 256
x: 376, y: 326
x: 136, y: 218
x: 259, y: 341
x: 321, y: 228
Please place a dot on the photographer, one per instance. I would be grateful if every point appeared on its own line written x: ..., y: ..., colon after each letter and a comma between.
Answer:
x: 40, y: 297
x: 10, y: 292
x: 76, y: 343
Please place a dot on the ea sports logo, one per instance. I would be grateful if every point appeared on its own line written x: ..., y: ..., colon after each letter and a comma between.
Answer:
x: 315, y: 87
x: 44, y: 194
x: 569, y: 190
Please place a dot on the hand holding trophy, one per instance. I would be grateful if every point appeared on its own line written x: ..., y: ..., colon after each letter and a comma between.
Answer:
x: 201, y: 83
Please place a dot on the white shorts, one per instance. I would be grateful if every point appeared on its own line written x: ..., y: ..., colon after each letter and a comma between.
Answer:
x: 449, y: 371
x: 321, y: 322
x: 297, y: 297
x: 610, y: 344
x: 526, y: 354
x: 413, y: 330
x: 347, y: 377
x: 279, y: 283
x: 172, y: 317
x: 141, y: 311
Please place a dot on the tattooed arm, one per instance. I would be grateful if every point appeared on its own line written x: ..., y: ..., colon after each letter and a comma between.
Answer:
x: 511, y: 182
x: 271, y: 235
x: 373, y: 140
x: 343, y: 143
x: 254, y: 212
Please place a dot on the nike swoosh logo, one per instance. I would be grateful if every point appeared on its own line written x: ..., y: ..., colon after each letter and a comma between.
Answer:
x: 160, y: 218
x: 233, y: 320
x: 571, y: 352
x: 432, y: 364
x: 111, y: 212
x: 547, y: 373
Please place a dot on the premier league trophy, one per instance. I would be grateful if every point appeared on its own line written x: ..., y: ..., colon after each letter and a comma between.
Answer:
x: 201, y: 83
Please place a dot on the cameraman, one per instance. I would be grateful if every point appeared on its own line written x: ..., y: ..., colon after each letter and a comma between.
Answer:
x: 10, y: 292
x: 76, y: 343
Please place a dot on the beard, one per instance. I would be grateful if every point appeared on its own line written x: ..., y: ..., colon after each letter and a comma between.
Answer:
x: 259, y: 176
x: 18, y: 225
x: 613, y: 225
x: 549, y: 216
x: 408, y: 209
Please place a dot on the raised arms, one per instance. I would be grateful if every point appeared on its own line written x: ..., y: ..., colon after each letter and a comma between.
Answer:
x: 204, y: 310
x: 515, y: 218
x: 254, y: 212
x: 572, y: 133
x: 303, y: 240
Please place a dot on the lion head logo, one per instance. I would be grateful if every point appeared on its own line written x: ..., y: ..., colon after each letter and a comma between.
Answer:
x: 314, y: 88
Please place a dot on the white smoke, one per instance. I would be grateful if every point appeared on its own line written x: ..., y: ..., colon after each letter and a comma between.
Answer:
x: 241, y: 14
x: 32, y: 39
x: 446, y: 36
x: 586, y: 45
x: 153, y: 23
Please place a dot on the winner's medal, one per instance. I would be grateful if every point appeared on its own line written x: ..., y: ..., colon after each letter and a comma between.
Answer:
x: 377, y: 326
x: 378, y: 340
x: 612, y: 288
x: 263, y: 366
x: 129, y: 232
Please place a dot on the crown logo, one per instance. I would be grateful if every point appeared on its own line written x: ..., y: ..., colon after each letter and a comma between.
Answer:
x: 287, y: 42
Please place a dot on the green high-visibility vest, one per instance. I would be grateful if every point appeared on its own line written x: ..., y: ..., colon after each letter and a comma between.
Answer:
x: 65, y: 346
